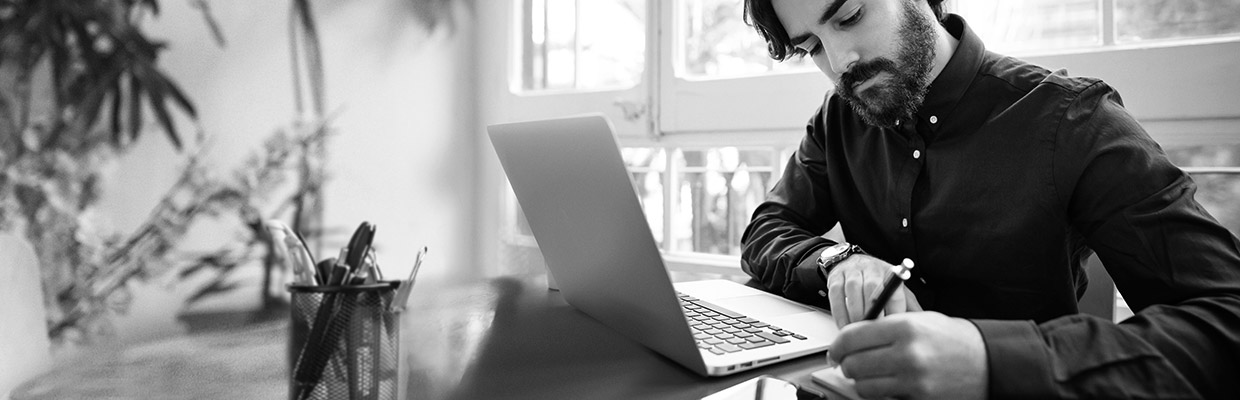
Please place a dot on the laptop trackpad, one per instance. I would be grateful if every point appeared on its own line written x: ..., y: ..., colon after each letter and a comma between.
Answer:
x: 761, y: 306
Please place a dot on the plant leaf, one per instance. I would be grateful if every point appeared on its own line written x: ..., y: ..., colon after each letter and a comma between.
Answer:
x: 117, y: 102
x: 179, y: 96
x: 155, y: 90
x: 135, y: 107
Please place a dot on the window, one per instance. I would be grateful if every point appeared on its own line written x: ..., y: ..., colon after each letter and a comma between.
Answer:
x: 718, y: 44
x: 575, y: 44
x: 1028, y: 26
x: 1023, y: 25
x: 707, y: 120
x: 1140, y: 20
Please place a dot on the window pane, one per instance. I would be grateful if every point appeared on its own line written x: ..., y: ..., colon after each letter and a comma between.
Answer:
x: 1212, y: 155
x: 1138, y: 20
x: 582, y: 44
x: 1033, y: 25
x: 716, y: 43
x: 647, y: 166
x: 718, y: 189
x: 1218, y: 193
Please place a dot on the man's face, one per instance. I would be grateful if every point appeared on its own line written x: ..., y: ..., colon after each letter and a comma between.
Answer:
x: 879, y: 53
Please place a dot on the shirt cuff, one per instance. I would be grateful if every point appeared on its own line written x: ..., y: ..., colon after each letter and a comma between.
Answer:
x: 1016, y: 359
x: 807, y: 272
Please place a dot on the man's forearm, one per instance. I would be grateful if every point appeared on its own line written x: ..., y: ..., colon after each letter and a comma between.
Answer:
x: 781, y: 256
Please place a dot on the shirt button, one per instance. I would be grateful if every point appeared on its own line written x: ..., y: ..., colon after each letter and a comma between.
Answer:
x: 916, y: 153
x: 822, y: 293
x: 934, y: 119
x: 904, y: 222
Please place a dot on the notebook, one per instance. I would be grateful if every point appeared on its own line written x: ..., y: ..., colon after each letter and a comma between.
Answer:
x: 572, y: 185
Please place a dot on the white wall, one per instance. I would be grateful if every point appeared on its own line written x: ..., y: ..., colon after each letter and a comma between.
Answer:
x: 402, y: 157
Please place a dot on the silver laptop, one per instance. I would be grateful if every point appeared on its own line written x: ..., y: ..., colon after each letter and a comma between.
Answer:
x: 576, y: 193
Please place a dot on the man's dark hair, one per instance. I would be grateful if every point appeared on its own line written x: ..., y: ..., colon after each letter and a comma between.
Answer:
x: 761, y: 16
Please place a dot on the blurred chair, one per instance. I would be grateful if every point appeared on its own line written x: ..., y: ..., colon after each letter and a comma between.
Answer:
x: 24, y: 346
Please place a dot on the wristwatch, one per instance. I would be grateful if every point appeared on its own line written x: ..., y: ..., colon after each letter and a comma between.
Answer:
x: 834, y: 255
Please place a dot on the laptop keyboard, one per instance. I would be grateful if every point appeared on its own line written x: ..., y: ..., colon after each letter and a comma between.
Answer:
x: 721, y: 331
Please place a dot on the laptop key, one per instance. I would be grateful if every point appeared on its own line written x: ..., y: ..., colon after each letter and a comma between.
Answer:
x: 717, y: 351
x: 751, y: 345
x: 719, y: 309
x: 773, y: 338
x: 729, y: 348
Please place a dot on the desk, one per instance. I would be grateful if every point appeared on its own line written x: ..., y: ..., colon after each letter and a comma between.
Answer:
x: 505, y: 338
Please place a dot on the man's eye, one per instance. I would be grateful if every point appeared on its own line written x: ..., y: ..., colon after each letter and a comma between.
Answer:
x: 852, y: 19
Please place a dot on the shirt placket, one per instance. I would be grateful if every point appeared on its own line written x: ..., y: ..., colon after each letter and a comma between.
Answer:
x: 905, y: 181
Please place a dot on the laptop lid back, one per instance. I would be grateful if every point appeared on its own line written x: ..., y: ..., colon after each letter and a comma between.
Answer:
x: 572, y: 184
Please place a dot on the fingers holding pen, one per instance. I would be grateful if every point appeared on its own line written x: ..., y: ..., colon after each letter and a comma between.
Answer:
x: 855, y: 283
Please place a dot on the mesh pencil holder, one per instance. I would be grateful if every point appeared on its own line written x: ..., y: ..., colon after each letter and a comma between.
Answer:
x: 344, y: 342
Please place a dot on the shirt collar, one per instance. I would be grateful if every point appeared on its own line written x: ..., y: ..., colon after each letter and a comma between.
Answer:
x: 949, y: 87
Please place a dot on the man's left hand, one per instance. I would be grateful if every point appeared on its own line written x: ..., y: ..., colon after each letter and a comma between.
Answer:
x: 918, y: 355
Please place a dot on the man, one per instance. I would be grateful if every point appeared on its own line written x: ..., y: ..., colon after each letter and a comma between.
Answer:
x: 998, y: 179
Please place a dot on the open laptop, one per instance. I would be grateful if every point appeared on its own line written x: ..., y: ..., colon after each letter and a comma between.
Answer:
x: 576, y: 193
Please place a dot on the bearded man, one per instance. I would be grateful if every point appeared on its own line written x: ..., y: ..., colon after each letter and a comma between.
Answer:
x: 998, y: 178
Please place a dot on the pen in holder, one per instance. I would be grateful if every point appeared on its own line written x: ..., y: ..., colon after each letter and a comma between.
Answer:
x: 343, y: 342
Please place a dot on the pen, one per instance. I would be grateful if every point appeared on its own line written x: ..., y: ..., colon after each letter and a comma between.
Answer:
x: 402, y: 293
x: 899, y: 274
x: 340, y: 271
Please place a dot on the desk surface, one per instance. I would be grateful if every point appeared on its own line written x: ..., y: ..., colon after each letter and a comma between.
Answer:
x: 502, y: 338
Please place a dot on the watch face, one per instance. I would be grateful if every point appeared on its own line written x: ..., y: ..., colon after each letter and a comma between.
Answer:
x: 835, y: 250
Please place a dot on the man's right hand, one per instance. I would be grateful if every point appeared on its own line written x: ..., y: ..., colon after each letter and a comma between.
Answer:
x: 853, y: 284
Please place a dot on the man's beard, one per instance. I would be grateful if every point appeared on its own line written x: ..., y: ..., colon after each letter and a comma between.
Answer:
x: 885, y: 103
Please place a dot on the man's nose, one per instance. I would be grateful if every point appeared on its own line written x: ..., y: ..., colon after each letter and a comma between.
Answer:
x: 841, y: 56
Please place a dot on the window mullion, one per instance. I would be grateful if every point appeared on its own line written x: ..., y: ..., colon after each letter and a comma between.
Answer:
x: 670, y: 196
x: 1108, y: 22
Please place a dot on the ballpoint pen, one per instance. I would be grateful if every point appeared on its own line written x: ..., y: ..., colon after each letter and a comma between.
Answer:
x: 402, y: 293
x: 897, y: 275
x: 341, y: 270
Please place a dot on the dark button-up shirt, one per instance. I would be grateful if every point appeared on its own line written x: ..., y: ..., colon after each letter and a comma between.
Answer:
x: 1008, y: 178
